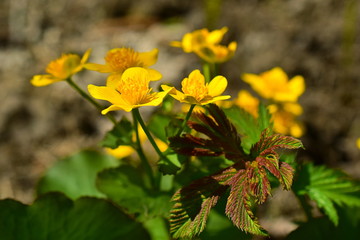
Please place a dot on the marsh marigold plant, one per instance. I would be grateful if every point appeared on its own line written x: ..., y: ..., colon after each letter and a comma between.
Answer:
x: 275, y: 85
x: 61, y: 69
x: 117, y: 60
x: 196, y: 91
x: 131, y: 91
x: 230, y: 152
x: 207, y: 45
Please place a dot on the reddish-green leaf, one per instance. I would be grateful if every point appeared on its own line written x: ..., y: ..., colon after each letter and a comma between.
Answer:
x: 193, y: 203
x: 222, y: 137
x: 238, y: 207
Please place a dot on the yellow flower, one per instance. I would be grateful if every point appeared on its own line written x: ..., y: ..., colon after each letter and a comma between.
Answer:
x: 358, y: 143
x: 249, y: 103
x: 195, y: 91
x: 284, y: 119
x: 207, y: 45
x: 118, y: 60
x: 132, y: 91
x: 61, y: 69
x: 275, y: 85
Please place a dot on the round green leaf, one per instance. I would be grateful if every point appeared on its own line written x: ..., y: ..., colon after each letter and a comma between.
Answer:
x: 75, y: 175
x: 56, y: 217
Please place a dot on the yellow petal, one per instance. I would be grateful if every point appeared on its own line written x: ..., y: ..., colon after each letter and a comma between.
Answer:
x: 258, y: 84
x: 293, y: 108
x: 136, y: 73
x: 219, y: 98
x: 126, y: 108
x: 276, y: 76
x: 86, y: 56
x: 217, y: 86
x: 216, y: 36
x: 98, y: 67
x: 44, y: 80
x: 297, y: 85
x: 120, y: 152
x: 106, y: 93
x: 153, y: 74
x: 113, y: 80
x: 149, y: 58
x: 176, y: 44
x: 196, y: 74
x: 232, y: 47
x: 157, y: 98
x: 296, y: 130
x: 187, y: 43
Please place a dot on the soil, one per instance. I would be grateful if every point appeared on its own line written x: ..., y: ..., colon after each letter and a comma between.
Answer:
x: 318, y: 39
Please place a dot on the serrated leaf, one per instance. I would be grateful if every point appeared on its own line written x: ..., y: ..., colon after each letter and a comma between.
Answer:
x: 220, y: 227
x: 269, y: 142
x: 53, y: 216
x: 222, y: 137
x: 75, y: 175
x: 193, y: 204
x: 327, y: 187
x: 238, y: 205
x: 121, y: 134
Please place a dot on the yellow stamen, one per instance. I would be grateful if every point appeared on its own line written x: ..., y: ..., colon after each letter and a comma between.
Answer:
x: 123, y: 58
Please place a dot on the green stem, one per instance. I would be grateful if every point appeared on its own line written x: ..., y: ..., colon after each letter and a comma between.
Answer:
x: 186, y: 119
x: 137, y: 115
x: 141, y: 154
x: 207, y: 72
x: 89, y: 99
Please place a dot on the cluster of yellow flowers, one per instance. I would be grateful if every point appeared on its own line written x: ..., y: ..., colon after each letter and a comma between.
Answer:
x: 282, y: 94
x: 130, y: 74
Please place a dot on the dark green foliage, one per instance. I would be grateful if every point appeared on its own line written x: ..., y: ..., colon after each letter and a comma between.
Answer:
x: 75, y: 175
x: 121, y: 134
x: 53, y: 216
x: 248, y: 127
x: 327, y: 187
x: 324, y: 229
x: 124, y: 186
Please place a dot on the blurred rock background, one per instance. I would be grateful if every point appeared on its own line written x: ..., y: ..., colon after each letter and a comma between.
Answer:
x: 318, y: 39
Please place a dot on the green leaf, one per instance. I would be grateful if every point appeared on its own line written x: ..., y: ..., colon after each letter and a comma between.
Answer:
x: 121, y: 134
x: 53, y: 216
x: 327, y: 187
x: 246, y: 125
x: 157, y: 228
x: 124, y: 186
x: 324, y: 229
x: 172, y: 163
x: 264, y: 119
x: 75, y: 175
x: 157, y: 125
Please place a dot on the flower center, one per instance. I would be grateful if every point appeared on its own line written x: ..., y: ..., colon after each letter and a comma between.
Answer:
x: 195, y: 87
x: 63, y: 67
x: 121, y: 59
x: 134, y: 90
